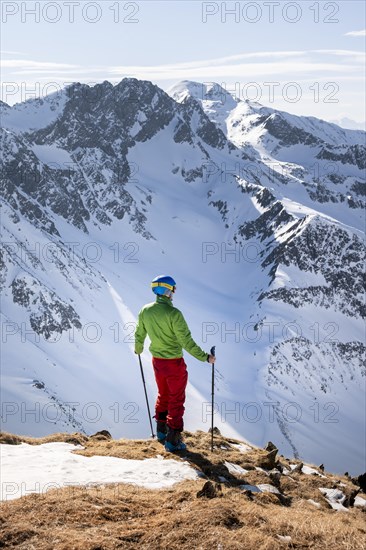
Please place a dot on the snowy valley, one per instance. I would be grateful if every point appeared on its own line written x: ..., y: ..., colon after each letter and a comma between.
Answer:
x: 257, y: 214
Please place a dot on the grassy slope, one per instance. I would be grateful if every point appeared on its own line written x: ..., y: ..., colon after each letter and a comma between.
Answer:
x: 125, y: 516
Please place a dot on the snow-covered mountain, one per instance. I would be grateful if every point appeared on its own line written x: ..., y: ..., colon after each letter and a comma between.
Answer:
x: 346, y: 122
x: 308, y: 160
x: 258, y: 215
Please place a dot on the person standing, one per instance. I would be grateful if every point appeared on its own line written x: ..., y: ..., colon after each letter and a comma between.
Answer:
x: 169, y: 335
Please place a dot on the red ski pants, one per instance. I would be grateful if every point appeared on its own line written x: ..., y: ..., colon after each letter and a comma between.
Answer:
x: 171, y: 377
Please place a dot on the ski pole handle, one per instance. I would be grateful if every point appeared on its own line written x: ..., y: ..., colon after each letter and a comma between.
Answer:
x: 212, y: 351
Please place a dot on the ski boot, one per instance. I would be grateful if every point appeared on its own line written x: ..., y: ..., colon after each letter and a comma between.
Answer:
x: 174, y: 441
x: 161, y: 426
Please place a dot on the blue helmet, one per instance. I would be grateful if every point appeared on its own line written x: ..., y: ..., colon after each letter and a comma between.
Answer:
x: 163, y: 285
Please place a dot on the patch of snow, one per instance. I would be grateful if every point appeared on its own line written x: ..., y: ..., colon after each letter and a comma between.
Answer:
x: 241, y: 447
x: 335, y: 498
x: 261, y: 488
x: 252, y: 488
x: 267, y: 488
x: 37, y: 468
x: 53, y: 156
x: 308, y: 470
x: 314, y: 503
x: 359, y: 501
x: 285, y: 538
x: 134, y: 130
x: 235, y: 468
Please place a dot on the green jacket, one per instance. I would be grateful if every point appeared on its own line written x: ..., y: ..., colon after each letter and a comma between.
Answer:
x: 167, y: 330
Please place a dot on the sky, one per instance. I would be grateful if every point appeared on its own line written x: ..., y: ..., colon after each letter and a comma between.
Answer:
x: 304, y: 57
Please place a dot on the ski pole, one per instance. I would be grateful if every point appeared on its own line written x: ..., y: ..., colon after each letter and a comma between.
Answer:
x: 147, y: 401
x: 212, y: 397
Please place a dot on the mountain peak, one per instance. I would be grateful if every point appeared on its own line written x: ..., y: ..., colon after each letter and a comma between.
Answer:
x: 202, y: 91
x: 4, y: 105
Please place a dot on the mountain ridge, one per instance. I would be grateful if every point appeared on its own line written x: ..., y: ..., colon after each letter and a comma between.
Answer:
x: 110, y: 191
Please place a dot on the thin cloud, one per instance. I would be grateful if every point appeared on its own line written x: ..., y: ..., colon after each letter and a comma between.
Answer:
x: 238, y: 57
x: 11, y: 52
x: 248, y: 65
x: 349, y: 53
x: 356, y: 33
x: 23, y: 63
x: 241, y: 70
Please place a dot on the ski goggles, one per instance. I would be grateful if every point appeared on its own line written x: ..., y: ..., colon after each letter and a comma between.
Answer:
x: 165, y: 285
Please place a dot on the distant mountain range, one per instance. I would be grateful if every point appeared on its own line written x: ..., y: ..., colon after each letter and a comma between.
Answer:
x: 259, y: 216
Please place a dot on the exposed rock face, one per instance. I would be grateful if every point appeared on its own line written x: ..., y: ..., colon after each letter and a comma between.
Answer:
x: 316, y: 365
x: 353, y: 155
x: 48, y: 313
x: 286, y: 134
x: 330, y: 251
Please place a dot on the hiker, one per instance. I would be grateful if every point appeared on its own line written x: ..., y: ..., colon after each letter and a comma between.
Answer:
x: 169, y: 335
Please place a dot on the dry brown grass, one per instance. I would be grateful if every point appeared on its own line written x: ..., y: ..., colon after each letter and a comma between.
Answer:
x: 124, y: 516
x: 11, y: 439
